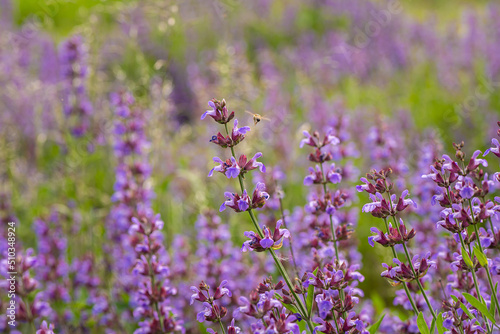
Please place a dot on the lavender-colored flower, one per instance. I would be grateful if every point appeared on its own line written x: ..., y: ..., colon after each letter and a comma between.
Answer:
x: 259, y: 244
x: 236, y: 136
x: 243, y: 203
x: 475, y: 162
x: 467, y: 190
x: 46, y: 329
x: 495, y: 149
x: 314, y: 139
x: 219, y: 111
x: 231, y: 329
x: 232, y: 168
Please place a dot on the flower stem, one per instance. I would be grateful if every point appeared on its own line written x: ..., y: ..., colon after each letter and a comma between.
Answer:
x: 290, y: 239
x: 408, y: 294
x: 222, y: 327
x: 493, y: 293
x: 283, y: 273
x: 279, y: 265
x: 462, y: 242
x: 29, y: 315
x: 416, y: 277
x: 474, y: 277
x: 419, y: 283
x: 153, y: 286
x: 334, y: 238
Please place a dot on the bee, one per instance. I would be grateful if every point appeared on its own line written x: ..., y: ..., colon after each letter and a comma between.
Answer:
x: 256, y: 117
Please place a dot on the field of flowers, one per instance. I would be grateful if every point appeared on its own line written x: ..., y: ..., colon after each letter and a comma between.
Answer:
x: 266, y: 166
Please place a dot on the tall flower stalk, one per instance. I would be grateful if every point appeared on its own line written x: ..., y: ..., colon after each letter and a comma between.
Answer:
x: 76, y: 104
x: 232, y: 168
x: 377, y: 185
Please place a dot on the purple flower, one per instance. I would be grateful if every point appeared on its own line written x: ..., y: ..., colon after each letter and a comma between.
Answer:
x: 324, y: 305
x: 236, y: 136
x: 390, y: 271
x: 367, y: 186
x: 76, y: 105
x: 467, y: 191
x: 205, y: 313
x: 474, y: 162
x: 236, y: 202
x: 333, y: 175
x: 222, y: 290
x: 274, y: 240
x: 314, y: 139
x: 404, y: 202
x: 218, y: 112
x: 495, y: 149
x: 232, y: 168
x: 45, y: 329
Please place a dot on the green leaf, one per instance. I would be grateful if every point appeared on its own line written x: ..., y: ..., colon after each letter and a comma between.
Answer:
x: 374, y: 328
x: 479, y: 306
x: 290, y: 307
x: 422, y: 325
x: 433, y: 325
x: 310, y: 295
x: 439, y: 324
x: 467, y: 259
x: 483, y: 261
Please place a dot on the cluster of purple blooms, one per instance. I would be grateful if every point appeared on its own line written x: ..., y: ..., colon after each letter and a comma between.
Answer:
x: 465, y: 260
x: 135, y: 228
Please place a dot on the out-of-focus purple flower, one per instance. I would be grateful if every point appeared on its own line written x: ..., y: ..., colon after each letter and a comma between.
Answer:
x: 76, y: 105
x: 314, y: 139
x: 46, y: 329
x: 367, y: 186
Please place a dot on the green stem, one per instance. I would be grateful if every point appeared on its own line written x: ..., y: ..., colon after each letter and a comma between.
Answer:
x: 493, y: 294
x: 419, y: 283
x: 473, y: 272
x: 416, y: 277
x: 411, y: 266
x: 284, y: 274
x: 405, y: 286
x: 331, y: 218
x: 290, y: 239
x: 470, y: 249
x: 29, y: 316
x: 335, y: 321
x: 279, y: 265
x: 222, y: 327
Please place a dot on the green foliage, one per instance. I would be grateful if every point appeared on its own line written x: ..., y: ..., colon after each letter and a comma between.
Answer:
x: 422, y: 325
x: 480, y: 306
x: 374, y: 328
